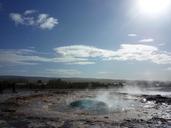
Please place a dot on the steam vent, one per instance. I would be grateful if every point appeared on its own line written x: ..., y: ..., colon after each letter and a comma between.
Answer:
x: 96, y: 106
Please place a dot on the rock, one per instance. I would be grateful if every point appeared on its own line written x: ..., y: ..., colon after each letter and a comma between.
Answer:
x: 158, y: 99
x: 106, y: 117
x: 3, y: 124
x: 9, y: 110
x: 67, y: 124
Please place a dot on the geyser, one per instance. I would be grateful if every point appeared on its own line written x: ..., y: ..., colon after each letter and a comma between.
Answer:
x: 90, y: 105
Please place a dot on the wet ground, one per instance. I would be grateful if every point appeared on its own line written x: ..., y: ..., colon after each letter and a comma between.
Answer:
x: 85, y: 109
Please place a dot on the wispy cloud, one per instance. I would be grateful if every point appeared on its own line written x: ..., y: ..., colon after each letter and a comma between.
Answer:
x: 17, y: 18
x: 82, y: 63
x: 32, y: 18
x: 63, y: 72
x: 126, y: 52
x: 148, y: 40
x: 20, y: 56
x: 72, y: 60
x: 168, y: 69
x: 140, y: 52
x: 32, y: 57
x: 83, y: 55
x: 104, y: 73
x: 161, y: 44
x: 27, y: 12
x: 79, y: 51
x: 132, y: 35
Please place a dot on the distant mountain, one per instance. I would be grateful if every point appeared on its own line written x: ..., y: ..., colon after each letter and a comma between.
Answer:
x: 45, y: 79
x: 29, y: 78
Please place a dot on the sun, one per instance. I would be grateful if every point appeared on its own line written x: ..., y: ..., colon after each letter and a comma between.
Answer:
x: 153, y: 7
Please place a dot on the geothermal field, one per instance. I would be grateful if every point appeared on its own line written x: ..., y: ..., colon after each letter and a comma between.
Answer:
x: 85, y: 63
x: 122, y: 107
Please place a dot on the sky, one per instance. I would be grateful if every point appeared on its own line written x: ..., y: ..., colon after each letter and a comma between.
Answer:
x: 111, y: 39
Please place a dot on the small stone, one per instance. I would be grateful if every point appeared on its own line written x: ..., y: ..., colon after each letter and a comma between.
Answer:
x: 106, y: 117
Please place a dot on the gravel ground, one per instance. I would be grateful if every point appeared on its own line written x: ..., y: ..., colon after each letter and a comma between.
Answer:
x: 51, y: 109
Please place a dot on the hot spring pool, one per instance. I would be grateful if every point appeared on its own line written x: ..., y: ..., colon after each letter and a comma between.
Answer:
x: 90, y: 105
x: 95, y: 107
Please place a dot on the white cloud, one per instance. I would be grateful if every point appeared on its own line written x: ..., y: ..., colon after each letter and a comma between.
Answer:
x: 141, y: 52
x: 132, y: 35
x: 149, y: 40
x: 133, y: 52
x: 46, y: 22
x: 32, y: 18
x: 82, y: 51
x: 17, y: 18
x: 126, y: 52
x: 83, y: 55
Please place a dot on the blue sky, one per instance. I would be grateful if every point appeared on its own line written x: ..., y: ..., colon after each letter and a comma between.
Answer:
x: 113, y: 39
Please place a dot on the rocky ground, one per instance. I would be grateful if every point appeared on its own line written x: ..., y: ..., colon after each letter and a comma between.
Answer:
x: 51, y: 109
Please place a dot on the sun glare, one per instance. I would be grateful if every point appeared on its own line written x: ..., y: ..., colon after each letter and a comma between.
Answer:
x: 154, y: 7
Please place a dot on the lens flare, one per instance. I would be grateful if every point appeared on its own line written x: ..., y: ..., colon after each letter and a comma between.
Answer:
x: 154, y: 7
